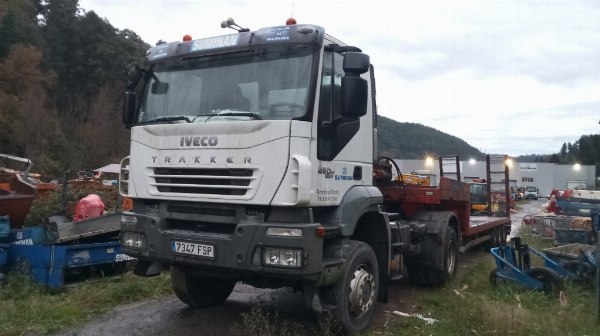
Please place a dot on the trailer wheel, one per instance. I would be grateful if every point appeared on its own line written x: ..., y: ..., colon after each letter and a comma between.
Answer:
x: 200, y: 291
x: 356, y: 292
x: 450, y: 253
x: 552, y: 282
x: 503, y: 235
x: 495, y: 239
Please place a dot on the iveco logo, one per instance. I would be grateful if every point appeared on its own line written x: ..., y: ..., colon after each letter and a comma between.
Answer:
x: 198, y: 141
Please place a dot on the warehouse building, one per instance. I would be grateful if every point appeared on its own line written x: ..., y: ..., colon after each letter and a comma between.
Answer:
x: 545, y: 176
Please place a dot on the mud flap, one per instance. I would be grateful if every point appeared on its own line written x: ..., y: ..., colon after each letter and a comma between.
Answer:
x: 147, y: 268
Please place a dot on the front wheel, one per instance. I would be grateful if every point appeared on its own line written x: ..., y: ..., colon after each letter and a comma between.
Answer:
x: 200, y: 291
x: 357, y: 291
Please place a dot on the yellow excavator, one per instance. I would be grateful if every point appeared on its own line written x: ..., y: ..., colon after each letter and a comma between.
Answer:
x: 416, y: 179
x: 479, y: 196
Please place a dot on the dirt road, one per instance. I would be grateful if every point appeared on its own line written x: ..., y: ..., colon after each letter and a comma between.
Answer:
x: 168, y: 316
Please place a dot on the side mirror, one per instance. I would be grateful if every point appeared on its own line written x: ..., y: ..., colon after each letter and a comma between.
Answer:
x: 159, y: 88
x: 354, y: 96
x: 355, y: 90
x: 134, y: 75
x: 356, y: 63
x: 129, y: 107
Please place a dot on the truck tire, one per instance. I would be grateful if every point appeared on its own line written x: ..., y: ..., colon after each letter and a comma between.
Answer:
x: 450, y: 252
x: 496, y: 236
x: 356, y: 292
x: 200, y: 291
x: 418, y: 276
x: 552, y: 282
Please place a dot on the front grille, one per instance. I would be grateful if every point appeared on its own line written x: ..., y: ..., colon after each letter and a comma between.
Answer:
x: 209, y: 181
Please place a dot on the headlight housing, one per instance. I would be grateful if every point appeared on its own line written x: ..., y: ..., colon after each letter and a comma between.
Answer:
x: 282, y: 257
x: 134, y: 240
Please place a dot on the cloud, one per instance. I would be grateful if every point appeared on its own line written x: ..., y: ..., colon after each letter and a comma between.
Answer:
x: 506, y: 76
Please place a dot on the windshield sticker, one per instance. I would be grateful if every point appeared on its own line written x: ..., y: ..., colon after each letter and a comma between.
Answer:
x: 161, y: 51
x: 279, y: 34
x: 214, y: 42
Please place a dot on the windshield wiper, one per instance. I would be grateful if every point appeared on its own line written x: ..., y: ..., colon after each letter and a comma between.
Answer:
x: 241, y: 114
x: 170, y: 118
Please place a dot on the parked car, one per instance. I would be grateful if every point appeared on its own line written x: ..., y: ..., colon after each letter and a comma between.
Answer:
x: 531, y: 192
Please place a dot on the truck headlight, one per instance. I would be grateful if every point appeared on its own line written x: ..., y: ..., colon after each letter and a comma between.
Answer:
x: 282, y: 257
x: 135, y: 240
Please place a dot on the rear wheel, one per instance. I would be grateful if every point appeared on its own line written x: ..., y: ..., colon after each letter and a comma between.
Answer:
x: 449, y: 254
x: 551, y: 281
x: 200, y: 291
x: 356, y: 292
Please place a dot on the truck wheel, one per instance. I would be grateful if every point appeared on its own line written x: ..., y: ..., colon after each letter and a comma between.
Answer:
x: 418, y: 276
x: 552, y: 282
x: 356, y: 292
x: 450, y: 252
x: 200, y: 291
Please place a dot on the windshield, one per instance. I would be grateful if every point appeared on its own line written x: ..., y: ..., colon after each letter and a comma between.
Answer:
x: 265, y: 83
x: 534, y: 189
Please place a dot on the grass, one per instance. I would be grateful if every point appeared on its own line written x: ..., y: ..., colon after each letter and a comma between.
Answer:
x: 469, y: 305
x: 30, y: 309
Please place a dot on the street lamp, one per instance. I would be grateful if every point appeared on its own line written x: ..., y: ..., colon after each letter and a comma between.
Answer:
x: 472, y: 161
x: 577, y: 166
x: 509, y: 162
x: 428, y: 161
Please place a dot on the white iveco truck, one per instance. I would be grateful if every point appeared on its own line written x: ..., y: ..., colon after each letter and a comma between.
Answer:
x: 252, y: 159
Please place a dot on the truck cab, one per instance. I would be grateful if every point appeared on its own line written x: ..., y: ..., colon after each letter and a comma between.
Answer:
x: 251, y: 160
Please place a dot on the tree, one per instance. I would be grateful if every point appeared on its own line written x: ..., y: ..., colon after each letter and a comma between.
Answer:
x: 18, y: 24
x: 29, y: 124
x: 563, y: 150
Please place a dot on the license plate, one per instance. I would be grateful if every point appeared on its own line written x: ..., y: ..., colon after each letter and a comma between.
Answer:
x: 199, y: 250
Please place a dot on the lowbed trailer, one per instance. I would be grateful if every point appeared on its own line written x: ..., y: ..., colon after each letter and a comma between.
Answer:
x: 490, y: 226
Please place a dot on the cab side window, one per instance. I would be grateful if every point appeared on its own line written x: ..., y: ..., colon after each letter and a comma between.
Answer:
x: 330, y: 103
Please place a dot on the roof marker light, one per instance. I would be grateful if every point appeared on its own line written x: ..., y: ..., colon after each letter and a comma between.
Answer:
x: 187, y: 38
x: 290, y: 21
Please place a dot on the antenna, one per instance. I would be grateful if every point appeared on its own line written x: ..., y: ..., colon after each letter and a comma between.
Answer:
x: 230, y: 23
x: 292, y: 15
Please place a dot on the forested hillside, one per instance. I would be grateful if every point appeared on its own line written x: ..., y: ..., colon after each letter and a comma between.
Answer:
x: 415, y: 141
x: 61, y: 85
x: 585, y: 151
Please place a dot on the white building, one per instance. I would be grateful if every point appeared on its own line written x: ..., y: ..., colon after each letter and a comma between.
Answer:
x: 545, y: 176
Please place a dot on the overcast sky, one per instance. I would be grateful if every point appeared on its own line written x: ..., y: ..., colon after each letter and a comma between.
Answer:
x: 514, y: 77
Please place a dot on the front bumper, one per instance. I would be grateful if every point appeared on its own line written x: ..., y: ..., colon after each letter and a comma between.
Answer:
x: 237, y: 253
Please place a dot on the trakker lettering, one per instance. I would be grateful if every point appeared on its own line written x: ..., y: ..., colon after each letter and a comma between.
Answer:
x: 198, y: 141
x: 198, y: 160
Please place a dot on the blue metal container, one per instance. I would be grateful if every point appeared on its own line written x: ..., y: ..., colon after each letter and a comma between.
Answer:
x: 4, y: 227
x: 28, y: 236
x: 50, y: 263
x: 3, y: 254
